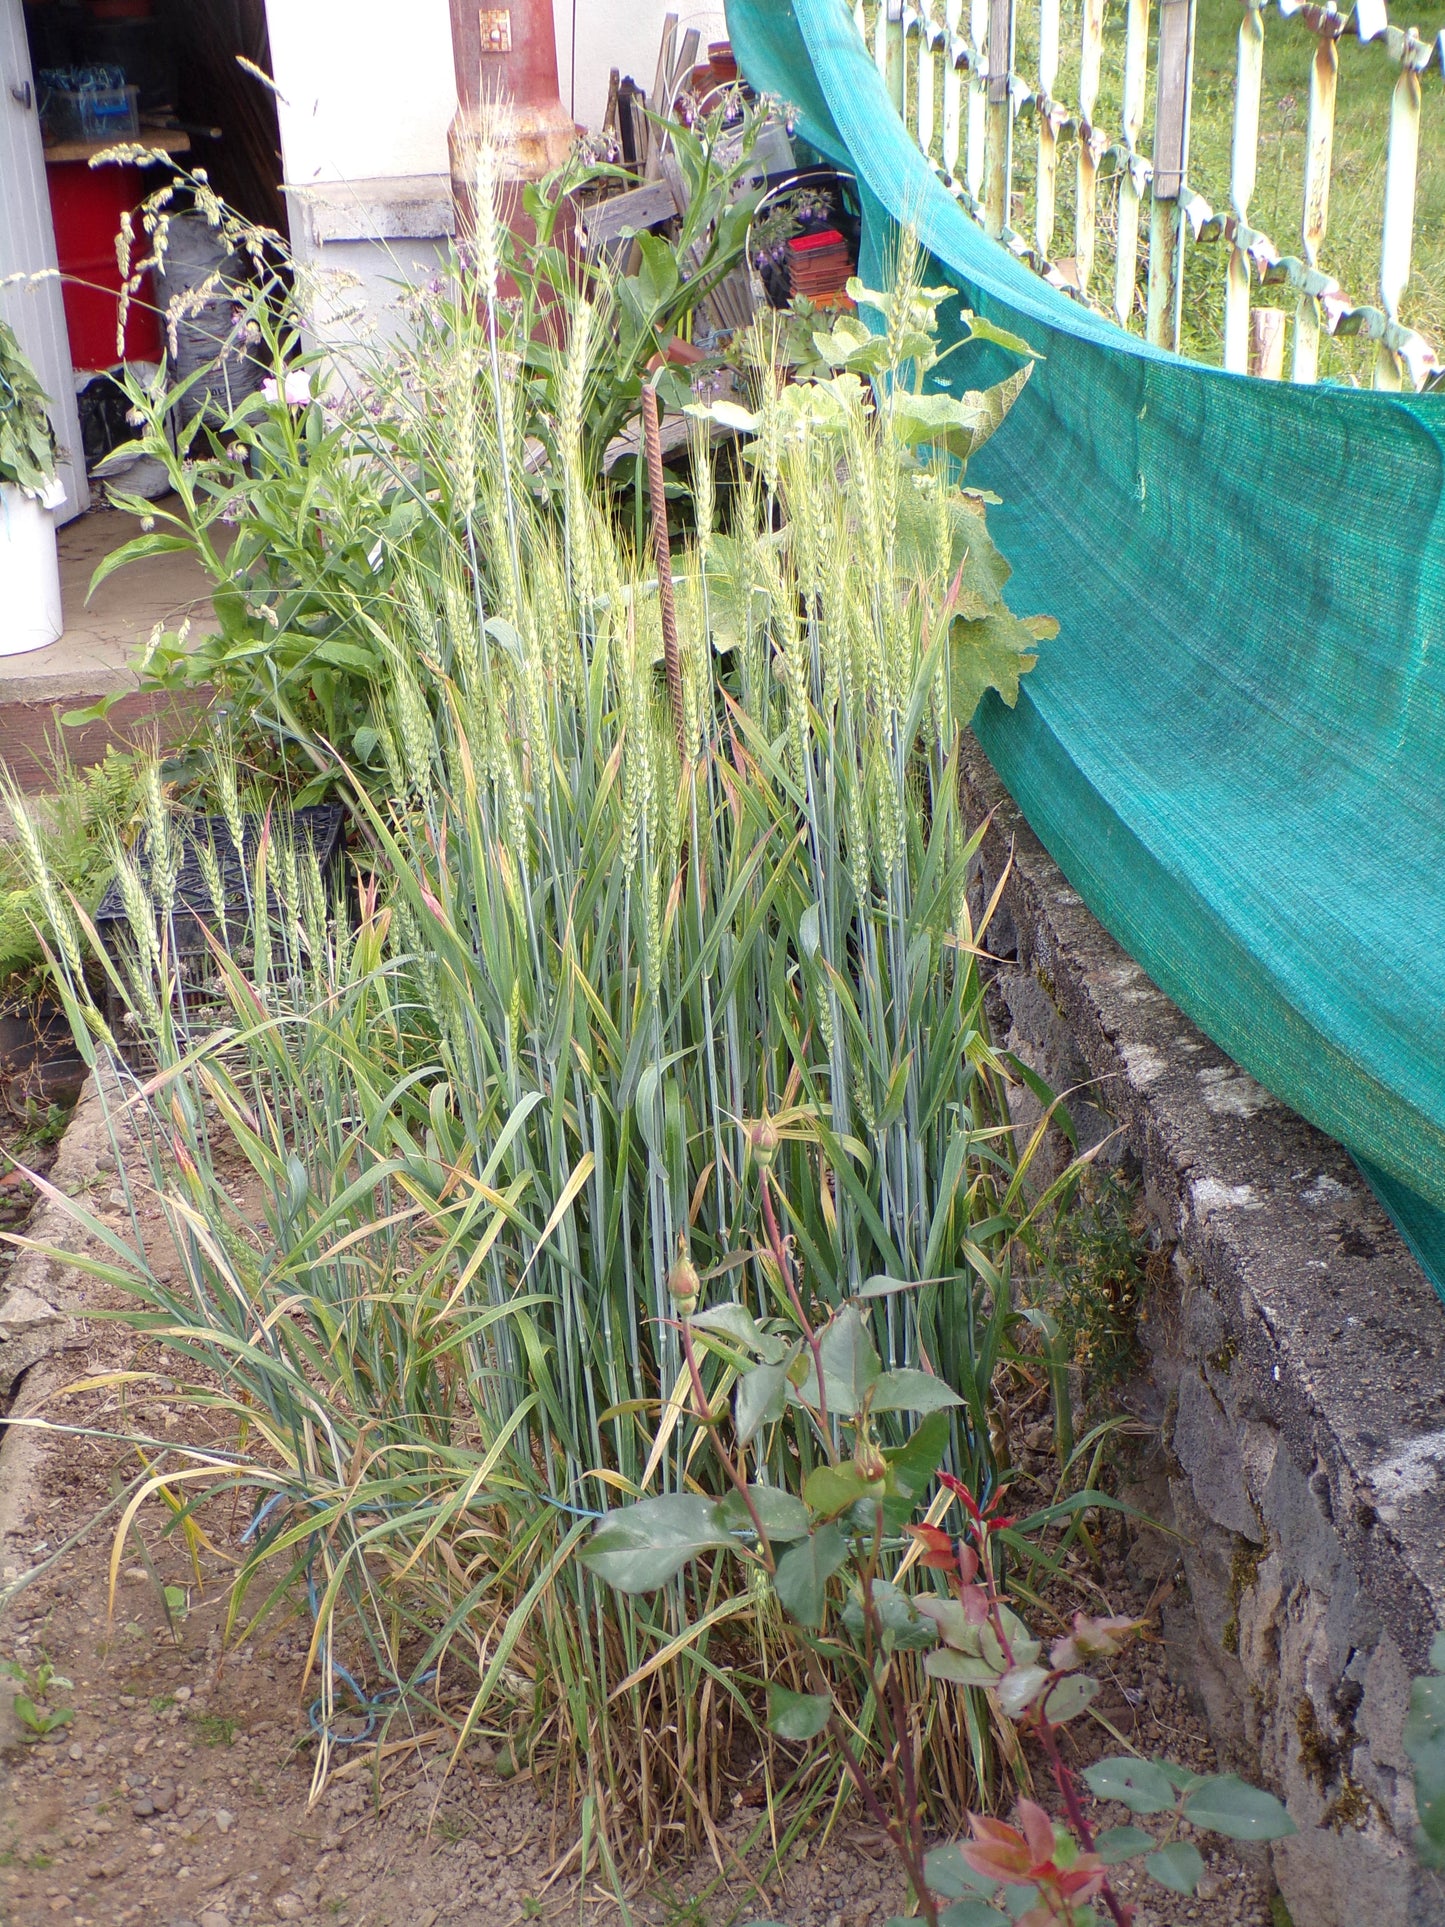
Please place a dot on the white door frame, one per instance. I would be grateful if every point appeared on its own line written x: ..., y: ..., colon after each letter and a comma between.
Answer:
x: 30, y: 297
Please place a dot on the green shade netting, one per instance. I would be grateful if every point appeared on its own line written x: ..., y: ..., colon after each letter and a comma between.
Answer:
x: 1235, y: 748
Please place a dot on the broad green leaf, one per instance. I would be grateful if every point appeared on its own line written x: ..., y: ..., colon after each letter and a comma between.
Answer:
x: 1231, y: 1806
x: 953, y: 1623
x: 642, y: 1546
x: 737, y: 1322
x: 880, y: 1285
x: 347, y: 655
x: 968, y: 1913
x: 95, y: 712
x: 1069, y: 1698
x: 1177, y: 1866
x: 980, y: 329
x: 728, y: 414
x: 1019, y: 1688
x: 804, y: 1571
x: 1122, y: 1843
x: 1025, y: 1650
x: 797, y: 1716
x: 761, y: 1399
x: 139, y: 549
x: 950, y: 1877
x: 987, y: 652
x: 964, y: 1669
x: 911, y: 1467
x: 1136, y: 1784
x: 831, y: 1489
x: 850, y: 1362
x: 903, y: 1626
x: 912, y: 1391
x: 781, y: 1514
x: 1180, y: 1777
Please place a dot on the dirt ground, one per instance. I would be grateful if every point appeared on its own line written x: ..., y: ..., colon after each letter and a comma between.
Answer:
x: 179, y: 1793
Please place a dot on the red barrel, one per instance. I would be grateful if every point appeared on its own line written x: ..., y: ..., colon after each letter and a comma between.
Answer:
x: 86, y: 204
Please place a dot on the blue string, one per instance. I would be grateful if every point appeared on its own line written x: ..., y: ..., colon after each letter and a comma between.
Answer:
x: 370, y: 1705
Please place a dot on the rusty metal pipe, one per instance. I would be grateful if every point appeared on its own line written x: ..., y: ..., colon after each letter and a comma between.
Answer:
x: 662, y: 549
x: 506, y: 57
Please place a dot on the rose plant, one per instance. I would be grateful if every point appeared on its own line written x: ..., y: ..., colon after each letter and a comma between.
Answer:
x: 862, y: 1589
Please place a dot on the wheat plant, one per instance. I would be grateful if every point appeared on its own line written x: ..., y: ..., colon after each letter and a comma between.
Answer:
x: 609, y: 937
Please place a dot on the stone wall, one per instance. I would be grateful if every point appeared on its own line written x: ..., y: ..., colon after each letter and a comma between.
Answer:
x: 1295, y: 1387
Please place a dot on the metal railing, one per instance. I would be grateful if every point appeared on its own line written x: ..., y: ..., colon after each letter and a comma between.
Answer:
x: 977, y: 82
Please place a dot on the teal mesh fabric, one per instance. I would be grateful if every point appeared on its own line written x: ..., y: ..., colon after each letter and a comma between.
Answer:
x: 1235, y: 748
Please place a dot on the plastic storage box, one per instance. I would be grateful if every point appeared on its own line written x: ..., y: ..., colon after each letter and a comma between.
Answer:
x: 76, y: 106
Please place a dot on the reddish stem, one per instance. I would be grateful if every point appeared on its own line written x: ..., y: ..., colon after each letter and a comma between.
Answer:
x: 1073, y: 1806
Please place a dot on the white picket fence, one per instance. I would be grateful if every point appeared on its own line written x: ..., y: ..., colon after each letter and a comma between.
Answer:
x: 953, y: 68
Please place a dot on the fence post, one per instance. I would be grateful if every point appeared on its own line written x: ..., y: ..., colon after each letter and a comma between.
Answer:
x: 1401, y: 160
x: 1319, y: 151
x: 1136, y: 76
x: 1048, y: 127
x: 888, y: 37
x: 1086, y: 195
x: 952, y: 88
x: 977, y: 100
x: 925, y: 30
x: 1243, y: 164
x: 1171, y: 156
x: 998, y: 144
x: 1266, y: 343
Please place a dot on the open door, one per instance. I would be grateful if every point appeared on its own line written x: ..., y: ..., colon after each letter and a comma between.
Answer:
x: 34, y: 308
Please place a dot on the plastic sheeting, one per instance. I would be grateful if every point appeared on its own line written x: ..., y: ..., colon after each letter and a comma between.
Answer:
x: 1235, y: 749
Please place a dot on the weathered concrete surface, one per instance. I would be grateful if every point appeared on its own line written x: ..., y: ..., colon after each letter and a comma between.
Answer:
x: 42, y: 1320
x: 1297, y: 1381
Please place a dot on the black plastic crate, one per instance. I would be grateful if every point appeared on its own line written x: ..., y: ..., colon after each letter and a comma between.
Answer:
x: 321, y: 828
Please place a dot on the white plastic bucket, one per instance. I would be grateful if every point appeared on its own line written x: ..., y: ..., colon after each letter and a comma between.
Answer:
x: 29, y: 574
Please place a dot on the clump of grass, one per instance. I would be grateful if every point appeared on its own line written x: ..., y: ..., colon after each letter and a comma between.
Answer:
x: 81, y: 812
x: 1097, y: 1271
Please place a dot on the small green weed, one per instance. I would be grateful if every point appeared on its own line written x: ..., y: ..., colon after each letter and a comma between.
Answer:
x: 215, y: 1729
x: 37, y: 1718
x: 1097, y: 1270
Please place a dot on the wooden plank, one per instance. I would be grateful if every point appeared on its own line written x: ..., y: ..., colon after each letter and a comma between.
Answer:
x: 1171, y: 98
x: 641, y: 207
x: 1171, y: 157
x: 1165, y: 260
x: 977, y: 100
x: 952, y: 89
x: 1136, y: 88
x: 651, y: 164
x: 1319, y: 152
x: 927, y: 80
x: 1396, y: 245
x: 165, y: 140
x: 998, y: 137
x: 1048, y: 161
x: 1266, y: 343
x: 1086, y: 199
x: 1243, y: 165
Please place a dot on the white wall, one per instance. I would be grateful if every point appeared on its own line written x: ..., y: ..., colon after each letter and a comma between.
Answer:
x: 368, y: 89
x: 624, y: 34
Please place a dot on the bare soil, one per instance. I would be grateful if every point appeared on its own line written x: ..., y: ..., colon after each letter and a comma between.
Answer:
x: 180, y: 1793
